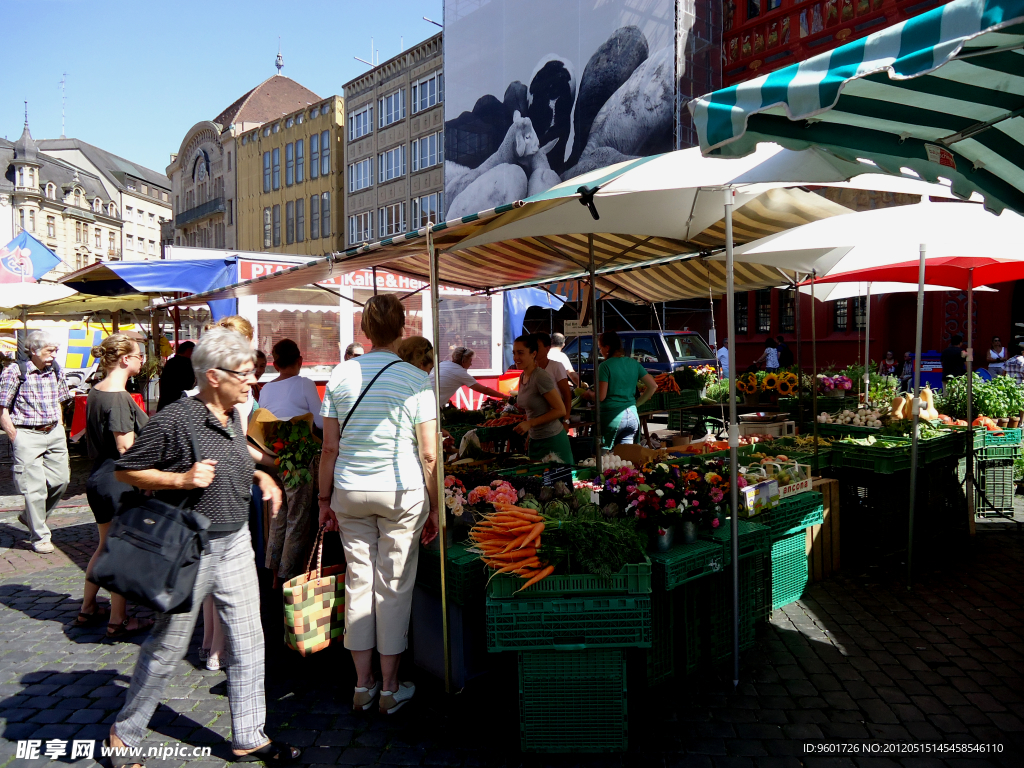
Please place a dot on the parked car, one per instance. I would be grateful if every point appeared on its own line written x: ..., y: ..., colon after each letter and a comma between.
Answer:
x: 657, y: 351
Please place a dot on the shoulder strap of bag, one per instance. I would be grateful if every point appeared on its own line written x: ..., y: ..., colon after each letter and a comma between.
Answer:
x: 363, y: 394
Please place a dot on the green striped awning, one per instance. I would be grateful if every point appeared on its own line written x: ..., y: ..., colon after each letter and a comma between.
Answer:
x: 941, y: 94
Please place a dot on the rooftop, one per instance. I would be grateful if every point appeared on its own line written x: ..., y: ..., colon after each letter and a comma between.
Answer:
x: 267, y: 101
x: 113, y: 167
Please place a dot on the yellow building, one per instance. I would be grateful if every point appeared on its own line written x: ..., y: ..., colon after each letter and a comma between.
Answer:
x: 289, y: 181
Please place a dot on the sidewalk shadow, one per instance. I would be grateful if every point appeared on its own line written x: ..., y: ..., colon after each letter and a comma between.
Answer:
x: 30, y: 714
x: 62, y: 608
x: 76, y: 542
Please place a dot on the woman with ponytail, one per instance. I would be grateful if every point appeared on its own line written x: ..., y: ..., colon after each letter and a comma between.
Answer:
x: 113, y: 419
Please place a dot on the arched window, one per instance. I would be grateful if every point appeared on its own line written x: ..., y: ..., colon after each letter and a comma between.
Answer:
x: 97, y: 207
x: 51, y: 192
x: 112, y: 210
x: 78, y: 198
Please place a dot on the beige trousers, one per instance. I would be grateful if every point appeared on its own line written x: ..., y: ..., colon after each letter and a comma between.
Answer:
x: 380, y: 532
x: 42, y: 473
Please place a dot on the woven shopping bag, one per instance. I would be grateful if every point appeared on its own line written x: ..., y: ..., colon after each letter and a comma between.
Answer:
x: 314, y: 604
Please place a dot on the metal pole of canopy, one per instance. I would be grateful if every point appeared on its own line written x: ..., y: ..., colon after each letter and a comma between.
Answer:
x: 867, y: 343
x: 734, y: 437
x: 814, y: 373
x: 970, y: 402
x: 374, y: 271
x: 596, y: 354
x: 800, y: 410
x: 916, y: 409
x: 442, y: 513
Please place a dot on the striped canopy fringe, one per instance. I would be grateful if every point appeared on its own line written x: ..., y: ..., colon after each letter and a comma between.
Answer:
x: 941, y: 94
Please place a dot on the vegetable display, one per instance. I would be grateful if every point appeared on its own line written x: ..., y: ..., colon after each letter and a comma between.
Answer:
x: 508, y: 540
x: 865, y: 417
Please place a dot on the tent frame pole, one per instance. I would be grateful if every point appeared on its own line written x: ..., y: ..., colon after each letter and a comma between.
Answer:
x: 814, y: 372
x: 970, y: 394
x: 916, y: 410
x: 799, y: 363
x: 596, y: 354
x: 734, y: 437
x: 867, y: 345
x: 442, y: 513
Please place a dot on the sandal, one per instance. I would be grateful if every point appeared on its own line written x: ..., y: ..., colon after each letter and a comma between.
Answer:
x: 97, y: 617
x: 123, y: 761
x: 276, y: 752
x: 118, y: 631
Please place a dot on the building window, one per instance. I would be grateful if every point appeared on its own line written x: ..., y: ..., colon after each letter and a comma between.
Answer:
x: 300, y: 161
x: 152, y: 243
x: 277, y: 225
x: 152, y: 219
x: 128, y: 243
x: 392, y: 108
x: 231, y: 212
x: 391, y: 219
x: 277, y: 167
x: 427, y: 151
x: 229, y: 161
x: 840, y: 316
x: 787, y: 312
x: 741, y: 312
x: 267, y: 230
x: 96, y: 205
x: 392, y: 164
x: 314, y: 156
x: 360, y: 122
x: 764, y: 311
x: 325, y: 215
x: 142, y: 214
x: 31, y: 221
x: 78, y: 198
x: 110, y: 244
x: 860, y: 305
x: 426, y: 209
x: 266, y: 171
x: 131, y: 184
x: 359, y: 228
x: 360, y: 175
x: 314, y: 217
x: 78, y: 261
x: 300, y: 219
x: 51, y: 226
x: 51, y: 192
x: 428, y: 92
x: 144, y: 189
x: 289, y: 164
x: 289, y: 219
x: 112, y: 210
x: 325, y: 153
x: 21, y: 177
x: 99, y: 238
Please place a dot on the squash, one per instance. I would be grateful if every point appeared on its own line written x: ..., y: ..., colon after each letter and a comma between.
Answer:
x: 896, y: 411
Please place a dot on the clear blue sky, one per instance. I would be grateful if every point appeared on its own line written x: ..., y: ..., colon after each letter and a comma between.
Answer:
x: 140, y: 74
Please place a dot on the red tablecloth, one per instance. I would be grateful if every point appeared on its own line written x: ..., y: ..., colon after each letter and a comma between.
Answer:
x: 78, y: 415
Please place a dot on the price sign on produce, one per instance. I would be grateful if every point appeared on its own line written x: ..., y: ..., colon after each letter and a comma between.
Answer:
x: 573, y: 328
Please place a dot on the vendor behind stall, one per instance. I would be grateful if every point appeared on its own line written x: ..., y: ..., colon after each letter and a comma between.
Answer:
x: 291, y: 394
x: 539, y: 397
x: 616, y: 386
x: 455, y: 375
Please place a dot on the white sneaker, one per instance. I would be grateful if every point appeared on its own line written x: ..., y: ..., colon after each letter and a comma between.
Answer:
x: 213, y: 663
x: 43, y: 547
x: 391, y: 702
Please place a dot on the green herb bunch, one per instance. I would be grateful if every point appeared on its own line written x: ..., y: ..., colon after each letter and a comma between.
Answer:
x: 296, y: 448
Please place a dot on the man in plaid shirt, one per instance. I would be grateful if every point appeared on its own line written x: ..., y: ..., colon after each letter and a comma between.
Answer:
x: 1014, y: 367
x: 30, y: 414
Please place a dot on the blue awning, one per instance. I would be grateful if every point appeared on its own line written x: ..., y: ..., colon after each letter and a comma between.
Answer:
x: 159, y: 278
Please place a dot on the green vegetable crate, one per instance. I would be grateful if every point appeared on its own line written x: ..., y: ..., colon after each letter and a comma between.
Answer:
x: 754, y: 539
x: 656, y: 403
x: 465, y: 574
x: 685, y: 562
x: 995, y: 477
x: 1009, y: 437
x: 573, y: 701
x: 559, y: 623
x: 682, y: 399
x: 789, y: 569
x: 720, y: 615
x: 676, y: 623
x: 794, y: 513
x: 632, y: 579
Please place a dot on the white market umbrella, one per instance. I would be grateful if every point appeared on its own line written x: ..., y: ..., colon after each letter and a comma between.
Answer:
x: 28, y: 295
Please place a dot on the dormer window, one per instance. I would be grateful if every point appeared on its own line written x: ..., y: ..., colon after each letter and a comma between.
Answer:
x: 97, y: 207
x: 78, y: 198
x: 51, y: 192
x: 112, y: 210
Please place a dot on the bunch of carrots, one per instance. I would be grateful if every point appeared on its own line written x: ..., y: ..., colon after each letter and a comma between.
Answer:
x: 667, y: 383
x: 504, y: 421
x: 509, y: 539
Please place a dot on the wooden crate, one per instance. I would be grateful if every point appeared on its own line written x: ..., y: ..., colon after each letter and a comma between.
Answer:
x: 823, y: 540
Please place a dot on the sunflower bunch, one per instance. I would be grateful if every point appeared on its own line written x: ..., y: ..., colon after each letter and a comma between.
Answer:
x: 771, y: 381
x: 747, y: 384
x: 787, y: 383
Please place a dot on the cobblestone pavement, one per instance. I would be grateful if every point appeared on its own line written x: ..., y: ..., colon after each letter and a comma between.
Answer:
x: 860, y: 661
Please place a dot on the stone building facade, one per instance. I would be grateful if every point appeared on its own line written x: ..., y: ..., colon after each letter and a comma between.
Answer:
x: 394, y: 175
x: 289, y: 181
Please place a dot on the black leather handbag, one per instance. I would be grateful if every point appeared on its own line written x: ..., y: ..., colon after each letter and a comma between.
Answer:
x: 151, y: 555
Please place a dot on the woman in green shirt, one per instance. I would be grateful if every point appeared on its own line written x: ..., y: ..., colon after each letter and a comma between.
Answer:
x: 539, y: 397
x: 616, y: 387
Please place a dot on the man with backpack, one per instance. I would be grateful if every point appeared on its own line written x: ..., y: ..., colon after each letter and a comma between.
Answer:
x: 31, y: 394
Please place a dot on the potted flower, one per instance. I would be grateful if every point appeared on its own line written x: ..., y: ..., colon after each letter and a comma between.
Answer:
x: 748, y: 386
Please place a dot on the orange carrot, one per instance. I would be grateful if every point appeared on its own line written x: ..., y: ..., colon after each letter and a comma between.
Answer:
x: 519, y: 554
x: 516, y: 543
x: 537, y: 529
x: 542, y: 575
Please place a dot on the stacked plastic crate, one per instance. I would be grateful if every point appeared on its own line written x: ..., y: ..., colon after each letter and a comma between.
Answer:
x: 571, y: 634
x: 788, y: 524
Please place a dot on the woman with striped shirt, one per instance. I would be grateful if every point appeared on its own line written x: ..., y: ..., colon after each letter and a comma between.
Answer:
x: 379, y: 490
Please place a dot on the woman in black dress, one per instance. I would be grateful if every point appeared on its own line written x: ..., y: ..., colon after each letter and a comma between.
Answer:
x: 113, y: 419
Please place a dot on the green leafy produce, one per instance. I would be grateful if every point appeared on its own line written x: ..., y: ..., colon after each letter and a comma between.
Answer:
x: 557, y: 509
x: 581, y: 497
x: 530, y: 503
x: 296, y: 448
x: 589, y: 510
x: 588, y: 542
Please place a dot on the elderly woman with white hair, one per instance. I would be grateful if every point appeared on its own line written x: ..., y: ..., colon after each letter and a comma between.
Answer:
x: 216, y: 484
x: 31, y: 393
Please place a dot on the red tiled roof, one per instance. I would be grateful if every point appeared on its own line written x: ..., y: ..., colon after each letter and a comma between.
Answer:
x: 270, y: 99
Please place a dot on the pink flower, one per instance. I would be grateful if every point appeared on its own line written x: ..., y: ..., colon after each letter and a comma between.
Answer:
x: 716, y: 495
x: 670, y: 504
x: 449, y: 481
x: 478, y: 494
x: 715, y: 523
x: 670, y: 485
x: 741, y: 482
x: 630, y: 489
x: 696, y: 503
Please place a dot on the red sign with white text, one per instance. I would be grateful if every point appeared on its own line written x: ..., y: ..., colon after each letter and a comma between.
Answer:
x: 360, y: 278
